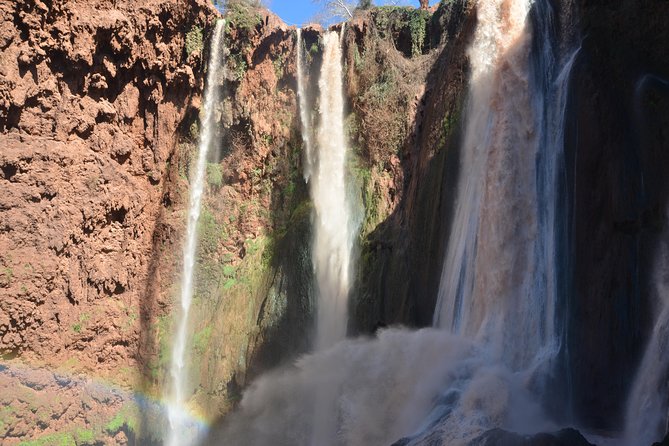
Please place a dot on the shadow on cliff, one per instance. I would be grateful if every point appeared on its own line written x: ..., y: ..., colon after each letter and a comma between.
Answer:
x: 617, y: 163
x: 401, y: 259
x: 165, y: 245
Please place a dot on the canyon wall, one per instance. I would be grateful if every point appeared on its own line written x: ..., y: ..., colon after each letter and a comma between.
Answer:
x: 92, y: 95
x: 99, y: 104
x: 616, y: 179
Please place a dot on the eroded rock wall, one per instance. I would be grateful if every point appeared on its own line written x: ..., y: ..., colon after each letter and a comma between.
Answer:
x: 92, y: 94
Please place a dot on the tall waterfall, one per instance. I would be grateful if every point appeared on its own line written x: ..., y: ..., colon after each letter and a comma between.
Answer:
x: 179, y: 434
x: 499, y: 280
x: 334, y: 228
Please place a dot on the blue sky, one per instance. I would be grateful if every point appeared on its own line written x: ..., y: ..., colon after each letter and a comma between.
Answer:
x: 299, y: 12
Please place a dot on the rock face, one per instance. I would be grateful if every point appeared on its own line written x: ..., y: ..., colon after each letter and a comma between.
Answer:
x: 616, y: 150
x: 43, y: 401
x: 92, y: 94
x: 99, y: 105
x: 499, y: 437
x: 411, y: 173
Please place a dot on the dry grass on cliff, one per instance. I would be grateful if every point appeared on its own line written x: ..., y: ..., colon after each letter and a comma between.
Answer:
x: 385, y: 92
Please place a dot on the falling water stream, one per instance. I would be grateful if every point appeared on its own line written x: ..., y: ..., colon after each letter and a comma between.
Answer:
x: 180, y: 434
x: 334, y: 227
x: 503, y: 260
x: 486, y: 288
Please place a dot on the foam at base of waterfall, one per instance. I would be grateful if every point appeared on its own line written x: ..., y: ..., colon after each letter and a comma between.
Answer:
x: 400, y: 384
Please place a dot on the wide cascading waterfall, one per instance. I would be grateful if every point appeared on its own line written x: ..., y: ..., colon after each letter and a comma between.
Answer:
x: 500, y: 276
x: 179, y: 433
x: 486, y: 280
x: 334, y: 227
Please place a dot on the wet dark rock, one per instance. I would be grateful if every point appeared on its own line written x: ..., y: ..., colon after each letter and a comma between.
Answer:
x: 500, y: 437
x: 664, y: 442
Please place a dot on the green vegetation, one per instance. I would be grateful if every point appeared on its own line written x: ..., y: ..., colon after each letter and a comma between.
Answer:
x: 56, y: 439
x: 194, y: 40
x: 379, y: 91
x: 83, y: 318
x: 418, y: 20
x: 229, y: 271
x: 194, y: 131
x: 186, y: 154
x: 243, y: 15
x: 390, y: 21
x: 7, y: 274
x: 279, y: 64
x: 84, y: 437
x: 238, y: 65
x: 214, y: 175
x: 161, y: 328
x: 448, y: 124
x: 201, y: 339
x: 209, y: 231
x: 125, y: 419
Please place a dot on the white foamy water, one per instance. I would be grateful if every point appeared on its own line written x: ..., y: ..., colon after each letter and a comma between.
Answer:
x: 181, y: 433
x: 384, y: 389
x: 334, y: 227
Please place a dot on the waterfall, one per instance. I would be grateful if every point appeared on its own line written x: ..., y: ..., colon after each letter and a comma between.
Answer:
x: 486, y: 282
x: 334, y: 229
x: 500, y: 276
x: 500, y: 284
x: 648, y: 406
x: 179, y: 434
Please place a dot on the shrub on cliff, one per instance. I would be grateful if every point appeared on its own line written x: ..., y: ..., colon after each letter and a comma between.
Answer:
x: 194, y: 40
x: 401, y: 22
x: 243, y: 14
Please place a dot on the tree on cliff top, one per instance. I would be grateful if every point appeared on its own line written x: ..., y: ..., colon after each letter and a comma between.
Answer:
x: 337, y: 8
x: 221, y: 4
x: 344, y: 8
